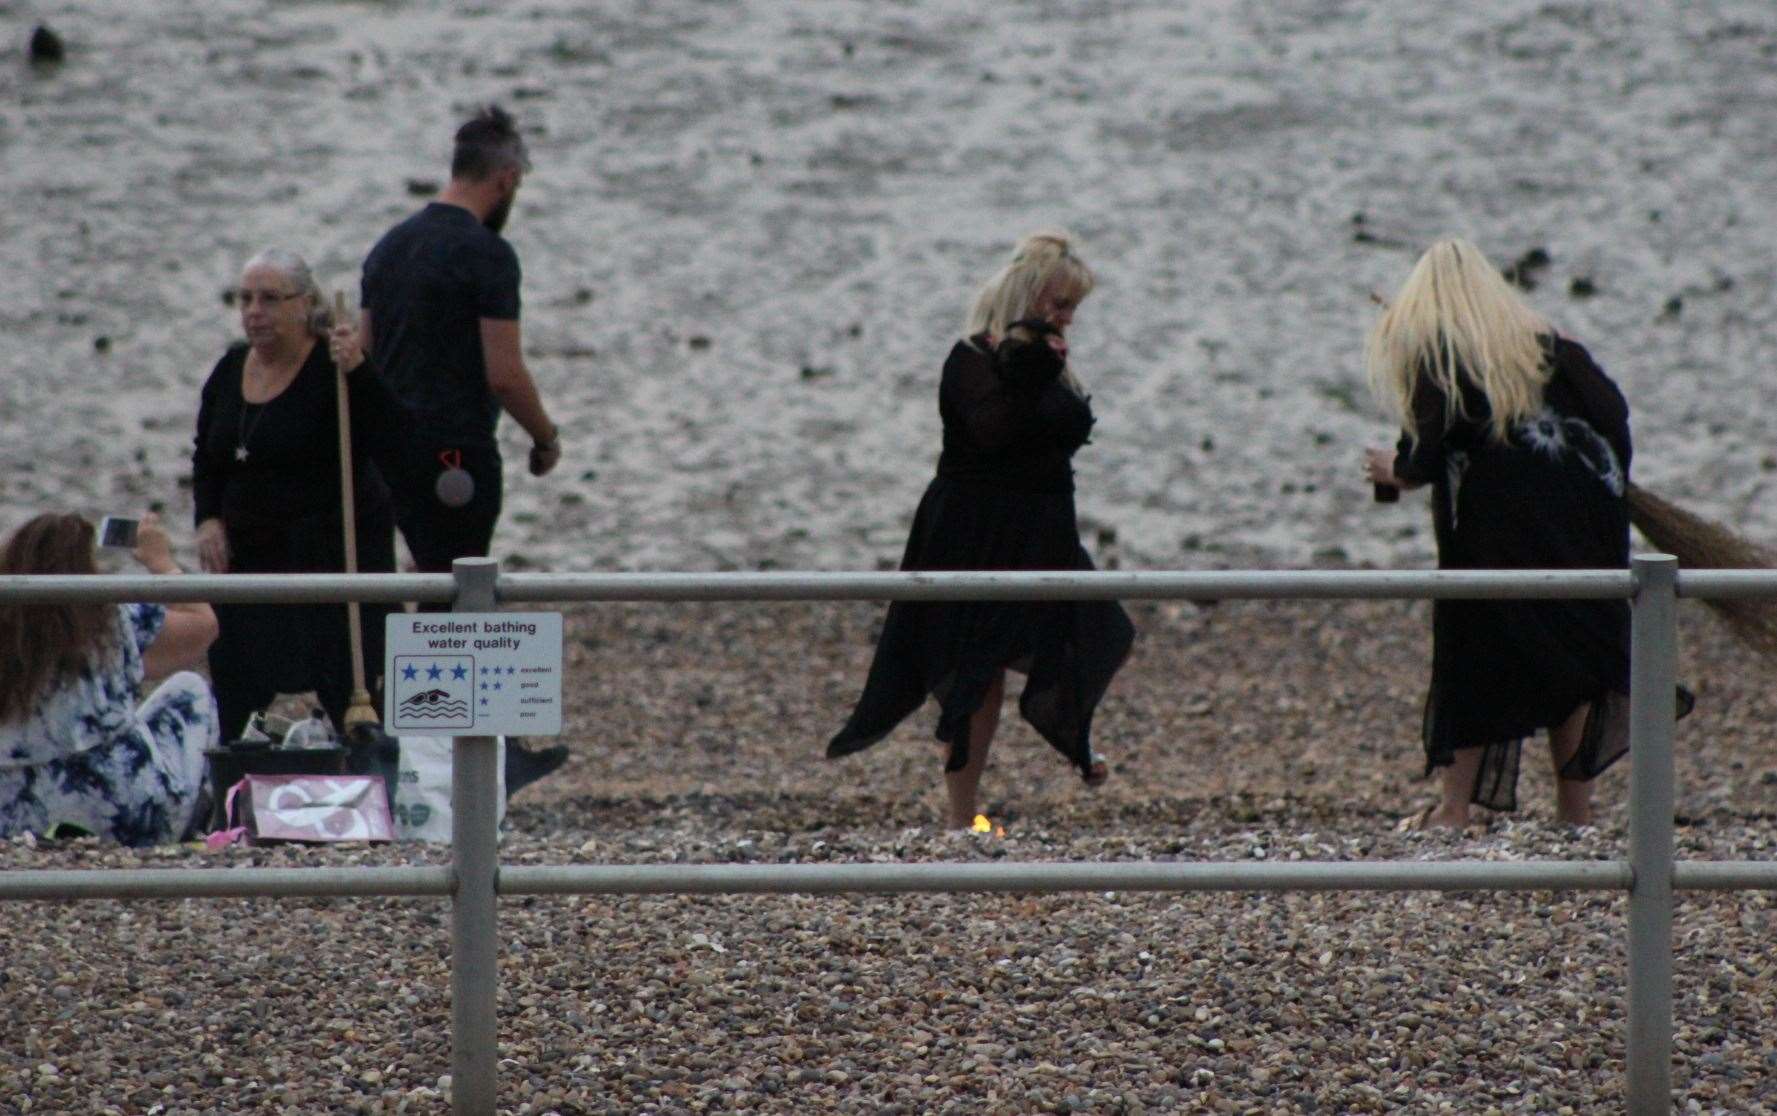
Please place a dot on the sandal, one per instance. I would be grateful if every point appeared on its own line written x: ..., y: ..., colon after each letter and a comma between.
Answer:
x: 1097, y: 771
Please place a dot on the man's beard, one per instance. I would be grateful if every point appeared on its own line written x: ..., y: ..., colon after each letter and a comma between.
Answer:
x: 496, y: 217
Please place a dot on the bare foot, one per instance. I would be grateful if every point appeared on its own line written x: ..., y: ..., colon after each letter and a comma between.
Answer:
x: 1434, y: 816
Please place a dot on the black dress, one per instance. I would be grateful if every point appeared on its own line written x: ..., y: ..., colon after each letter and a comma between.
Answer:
x: 1003, y: 499
x: 280, y: 505
x: 1550, y: 497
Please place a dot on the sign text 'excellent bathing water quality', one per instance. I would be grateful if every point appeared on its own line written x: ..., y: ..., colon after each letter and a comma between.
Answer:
x: 473, y: 674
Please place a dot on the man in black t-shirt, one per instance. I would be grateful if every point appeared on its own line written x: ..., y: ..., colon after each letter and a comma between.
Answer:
x: 440, y: 313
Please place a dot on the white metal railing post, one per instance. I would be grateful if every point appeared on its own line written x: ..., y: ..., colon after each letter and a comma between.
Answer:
x: 474, y: 925
x: 1653, y: 682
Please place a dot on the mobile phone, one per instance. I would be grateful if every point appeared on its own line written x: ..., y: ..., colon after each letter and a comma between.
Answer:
x: 118, y: 531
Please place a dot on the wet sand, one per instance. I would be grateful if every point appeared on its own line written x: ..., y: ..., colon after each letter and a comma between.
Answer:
x: 752, y: 229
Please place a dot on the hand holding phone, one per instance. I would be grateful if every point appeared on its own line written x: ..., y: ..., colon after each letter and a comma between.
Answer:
x: 153, y: 548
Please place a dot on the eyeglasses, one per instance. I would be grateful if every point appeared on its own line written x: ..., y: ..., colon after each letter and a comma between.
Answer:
x: 244, y: 297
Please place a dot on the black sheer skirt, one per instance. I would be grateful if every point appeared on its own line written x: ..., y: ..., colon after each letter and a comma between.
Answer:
x: 1501, y: 670
x: 952, y: 651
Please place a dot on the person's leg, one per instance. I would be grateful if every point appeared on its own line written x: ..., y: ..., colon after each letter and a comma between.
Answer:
x: 962, y: 788
x: 234, y: 676
x: 436, y: 535
x: 1452, y: 810
x: 1573, y: 797
x: 181, y: 719
x: 525, y: 765
x: 331, y: 671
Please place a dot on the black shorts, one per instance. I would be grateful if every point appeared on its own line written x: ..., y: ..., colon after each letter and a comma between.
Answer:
x: 437, y: 534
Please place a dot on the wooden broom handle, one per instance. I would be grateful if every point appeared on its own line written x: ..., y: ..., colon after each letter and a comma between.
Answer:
x: 348, y: 502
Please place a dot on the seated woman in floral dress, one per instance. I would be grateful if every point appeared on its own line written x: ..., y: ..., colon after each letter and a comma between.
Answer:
x: 76, y: 748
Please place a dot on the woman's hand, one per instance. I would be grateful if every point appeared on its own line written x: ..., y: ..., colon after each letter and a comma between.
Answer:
x: 191, y: 625
x: 344, y: 346
x: 212, y: 546
x: 153, y: 549
x: 1379, y: 468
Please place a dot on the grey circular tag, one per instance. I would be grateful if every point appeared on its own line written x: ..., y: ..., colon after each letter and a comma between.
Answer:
x: 455, y: 487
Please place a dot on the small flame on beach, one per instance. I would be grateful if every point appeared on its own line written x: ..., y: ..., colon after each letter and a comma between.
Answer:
x: 985, y: 825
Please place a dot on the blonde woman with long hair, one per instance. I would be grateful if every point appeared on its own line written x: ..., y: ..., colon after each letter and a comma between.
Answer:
x: 1014, y: 413
x: 1525, y: 442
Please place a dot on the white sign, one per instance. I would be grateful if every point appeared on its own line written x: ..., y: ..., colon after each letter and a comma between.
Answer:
x: 473, y: 673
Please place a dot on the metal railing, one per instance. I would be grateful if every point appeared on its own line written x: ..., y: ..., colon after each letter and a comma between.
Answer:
x: 475, y: 879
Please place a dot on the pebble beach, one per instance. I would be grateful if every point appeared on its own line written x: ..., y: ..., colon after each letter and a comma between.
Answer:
x: 747, y: 244
x: 1246, y: 732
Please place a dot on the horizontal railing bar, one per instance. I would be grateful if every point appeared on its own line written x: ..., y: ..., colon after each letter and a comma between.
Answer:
x: 1723, y: 584
x: 228, y: 588
x: 914, y: 586
x: 1071, y: 585
x: 1050, y: 876
x: 1724, y: 875
x: 1035, y: 876
x: 1689, y: 875
x: 812, y: 586
x: 222, y: 883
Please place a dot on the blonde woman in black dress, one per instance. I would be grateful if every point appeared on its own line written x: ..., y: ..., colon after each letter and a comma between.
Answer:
x: 1003, y: 499
x: 1525, y: 442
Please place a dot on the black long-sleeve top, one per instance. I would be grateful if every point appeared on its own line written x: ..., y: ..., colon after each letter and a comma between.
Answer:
x: 1010, y: 420
x: 291, y: 468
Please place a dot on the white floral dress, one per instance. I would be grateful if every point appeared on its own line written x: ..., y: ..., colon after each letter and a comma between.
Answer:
x: 88, y: 756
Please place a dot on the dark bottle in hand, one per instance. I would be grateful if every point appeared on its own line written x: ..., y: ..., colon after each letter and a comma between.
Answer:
x: 1387, y: 493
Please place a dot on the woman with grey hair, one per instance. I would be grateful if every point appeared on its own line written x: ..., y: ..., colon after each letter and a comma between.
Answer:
x: 266, y: 483
x: 1014, y: 414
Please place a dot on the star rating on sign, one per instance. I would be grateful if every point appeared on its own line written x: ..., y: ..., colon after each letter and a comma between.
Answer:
x: 434, y: 672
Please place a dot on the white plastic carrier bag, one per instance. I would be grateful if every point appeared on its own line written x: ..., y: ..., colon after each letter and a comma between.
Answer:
x: 422, y: 787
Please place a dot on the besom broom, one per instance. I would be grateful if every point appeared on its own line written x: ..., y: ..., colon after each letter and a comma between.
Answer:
x: 1702, y: 544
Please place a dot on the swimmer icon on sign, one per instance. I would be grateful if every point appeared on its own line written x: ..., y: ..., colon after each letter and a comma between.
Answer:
x: 434, y: 691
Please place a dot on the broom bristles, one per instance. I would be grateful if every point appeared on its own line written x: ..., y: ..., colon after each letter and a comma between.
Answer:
x: 1701, y: 544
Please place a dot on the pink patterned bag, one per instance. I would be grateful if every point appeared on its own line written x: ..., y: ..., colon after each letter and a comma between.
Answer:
x: 309, y: 808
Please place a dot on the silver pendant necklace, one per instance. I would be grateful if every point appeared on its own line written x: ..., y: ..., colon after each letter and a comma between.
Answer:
x: 244, y: 429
